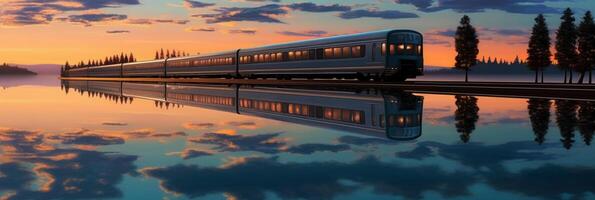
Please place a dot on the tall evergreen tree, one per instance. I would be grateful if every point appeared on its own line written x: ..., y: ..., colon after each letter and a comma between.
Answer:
x: 539, y: 47
x: 539, y: 113
x: 161, y: 55
x: 466, y: 45
x: 586, y: 46
x: 566, y: 45
x: 156, y: 55
x: 131, y: 58
x: 466, y: 116
x: 167, y: 55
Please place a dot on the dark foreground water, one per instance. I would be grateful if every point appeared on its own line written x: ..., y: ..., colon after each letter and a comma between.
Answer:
x: 97, y: 140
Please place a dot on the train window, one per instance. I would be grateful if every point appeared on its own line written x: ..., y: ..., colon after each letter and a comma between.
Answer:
x: 392, y: 49
x: 328, y: 53
x: 419, y: 49
x: 383, y: 49
x: 305, y: 55
x: 291, y: 55
x: 279, y: 57
x: 337, y: 53
x: 347, y: 52
x: 298, y: 55
x: 356, y: 51
x: 267, y: 58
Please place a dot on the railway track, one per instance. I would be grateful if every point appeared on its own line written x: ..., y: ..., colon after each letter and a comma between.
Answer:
x: 584, y: 92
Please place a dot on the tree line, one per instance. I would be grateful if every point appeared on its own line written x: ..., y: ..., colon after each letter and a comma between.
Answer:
x: 160, y: 54
x: 108, y: 60
x: 575, y: 47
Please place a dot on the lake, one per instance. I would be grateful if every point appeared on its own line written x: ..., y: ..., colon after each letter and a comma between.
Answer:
x: 113, y: 140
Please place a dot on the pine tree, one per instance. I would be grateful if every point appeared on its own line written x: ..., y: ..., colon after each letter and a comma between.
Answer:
x: 586, y: 46
x: 167, y: 55
x: 131, y: 58
x: 566, y: 45
x: 173, y: 53
x: 161, y: 55
x: 539, y: 48
x: 156, y: 55
x: 466, y: 44
x: 123, y: 59
x: 126, y: 59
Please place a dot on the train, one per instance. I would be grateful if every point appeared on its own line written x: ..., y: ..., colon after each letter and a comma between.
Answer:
x: 390, y: 55
x: 393, y: 115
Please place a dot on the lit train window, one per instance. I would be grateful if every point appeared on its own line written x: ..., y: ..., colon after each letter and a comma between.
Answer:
x: 337, y: 53
x: 383, y: 49
x: 328, y: 53
x: 279, y: 57
x: 392, y: 49
x: 356, y: 51
x: 291, y: 55
x: 347, y: 52
x: 298, y: 55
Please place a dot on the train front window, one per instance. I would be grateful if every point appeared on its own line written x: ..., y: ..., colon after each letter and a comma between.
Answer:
x: 405, y: 49
x: 411, y: 120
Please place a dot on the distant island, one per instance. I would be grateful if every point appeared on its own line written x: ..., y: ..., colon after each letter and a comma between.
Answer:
x: 7, y: 70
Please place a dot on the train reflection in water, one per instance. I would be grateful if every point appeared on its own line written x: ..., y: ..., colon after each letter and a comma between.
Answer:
x: 395, y: 115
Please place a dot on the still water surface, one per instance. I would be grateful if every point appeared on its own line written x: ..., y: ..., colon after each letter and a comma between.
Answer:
x: 98, y: 140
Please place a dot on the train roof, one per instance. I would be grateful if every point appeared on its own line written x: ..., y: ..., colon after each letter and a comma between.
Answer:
x: 339, y: 38
x: 205, y: 55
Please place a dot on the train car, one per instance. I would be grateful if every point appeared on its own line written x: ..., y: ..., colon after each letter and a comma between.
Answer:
x: 393, y: 55
x: 153, y: 68
x: 222, y: 64
x: 78, y: 72
x: 114, y: 70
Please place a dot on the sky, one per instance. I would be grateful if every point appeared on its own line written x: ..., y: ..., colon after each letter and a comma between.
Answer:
x: 55, y: 31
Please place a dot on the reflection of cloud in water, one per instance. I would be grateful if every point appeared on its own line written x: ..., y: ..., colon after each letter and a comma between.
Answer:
x: 198, y: 126
x: 66, y: 173
x: 191, y: 153
x: 353, y: 140
x: 312, y: 148
x: 88, y: 139
x: 243, y: 125
x: 317, y: 180
x: 265, y: 143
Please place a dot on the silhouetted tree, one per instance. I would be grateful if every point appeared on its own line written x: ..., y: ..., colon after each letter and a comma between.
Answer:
x: 586, y: 121
x: 173, y: 54
x: 566, y: 45
x: 539, y: 113
x: 466, y: 116
x: 566, y: 120
x: 586, y: 46
x: 161, y: 55
x: 466, y: 45
x: 156, y: 55
x: 131, y: 58
x: 167, y: 55
x: 539, y: 47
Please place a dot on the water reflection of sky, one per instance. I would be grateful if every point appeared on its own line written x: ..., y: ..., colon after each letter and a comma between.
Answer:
x: 71, y: 146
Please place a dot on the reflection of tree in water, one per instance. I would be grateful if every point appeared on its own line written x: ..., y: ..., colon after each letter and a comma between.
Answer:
x: 586, y: 121
x: 539, y: 112
x: 466, y: 116
x: 566, y: 120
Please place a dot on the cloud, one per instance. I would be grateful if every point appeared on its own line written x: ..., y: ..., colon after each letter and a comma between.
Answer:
x: 242, y: 31
x: 155, y: 21
x: 209, y: 29
x: 315, y: 180
x: 87, y: 19
x: 304, y: 33
x: 469, y: 6
x: 270, y: 13
x: 116, y: 123
x: 266, y: 14
x: 31, y: 12
x: 311, y: 7
x: 196, y: 4
x: 244, y: 125
x: 386, y: 14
